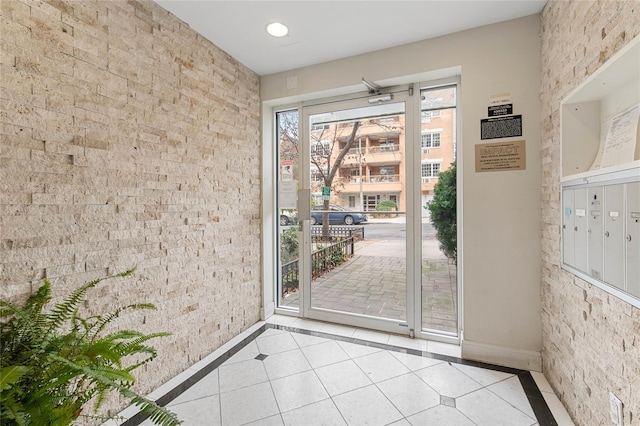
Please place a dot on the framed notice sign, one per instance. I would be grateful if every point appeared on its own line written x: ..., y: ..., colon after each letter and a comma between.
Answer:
x: 501, y: 127
x: 501, y: 156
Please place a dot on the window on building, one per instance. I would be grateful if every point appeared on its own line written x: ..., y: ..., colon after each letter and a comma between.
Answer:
x: 317, y: 175
x: 319, y: 127
x: 430, y: 140
x: 371, y: 202
x: 430, y: 170
x: 387, y: 145
x: 352, y: 201
x: 430, y: 114
x: 321, y: 148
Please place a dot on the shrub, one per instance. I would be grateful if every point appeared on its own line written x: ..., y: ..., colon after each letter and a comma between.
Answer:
x: 386, y: 206
x: 443, y: 212
x: 53, y: 363
x: 289, y: 245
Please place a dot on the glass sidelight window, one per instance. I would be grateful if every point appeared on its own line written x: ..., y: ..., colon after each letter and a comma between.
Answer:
x: 439, y: 272
x: 288, y: 177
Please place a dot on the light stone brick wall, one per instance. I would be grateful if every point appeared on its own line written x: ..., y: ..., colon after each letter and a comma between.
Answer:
x: 128, y: 139
x: 591, y: 340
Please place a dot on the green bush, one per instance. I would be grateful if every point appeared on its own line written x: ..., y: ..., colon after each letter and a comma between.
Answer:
x: 386, y: 206
x: 336, y: 257
x: 55, y: 362
x: 289, y: 245
x: 443, y: 212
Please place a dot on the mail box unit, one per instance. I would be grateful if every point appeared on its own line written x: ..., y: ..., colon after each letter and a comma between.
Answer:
x: 575, y: 228
x: 568, y: 222
x: 614, y: 235
x: 601, y: 233
x: 596, y: 231
x: 632, y: 238
x: 600, y: 176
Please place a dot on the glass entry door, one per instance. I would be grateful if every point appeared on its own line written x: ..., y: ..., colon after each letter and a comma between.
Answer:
x: 356, y: 234
x: 357, y: 243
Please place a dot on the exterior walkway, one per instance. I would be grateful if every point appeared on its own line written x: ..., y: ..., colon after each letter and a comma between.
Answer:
x: 372, y: 283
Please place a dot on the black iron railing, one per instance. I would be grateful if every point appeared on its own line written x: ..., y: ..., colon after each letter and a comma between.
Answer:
x: 331, y: 256
x: 322, y: 261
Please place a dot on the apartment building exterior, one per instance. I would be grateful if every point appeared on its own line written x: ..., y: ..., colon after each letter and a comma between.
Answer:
x: 373, y: 169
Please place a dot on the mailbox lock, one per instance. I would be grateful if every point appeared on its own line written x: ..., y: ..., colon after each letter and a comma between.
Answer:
x: 628, y: 237
x: 606, y: 234
x: 575, y: 229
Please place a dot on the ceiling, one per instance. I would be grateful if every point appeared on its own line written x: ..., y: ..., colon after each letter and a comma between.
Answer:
x: 321, y: 31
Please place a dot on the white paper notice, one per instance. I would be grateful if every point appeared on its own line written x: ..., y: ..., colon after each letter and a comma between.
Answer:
x: 288, y: 194
x: 620, y: 144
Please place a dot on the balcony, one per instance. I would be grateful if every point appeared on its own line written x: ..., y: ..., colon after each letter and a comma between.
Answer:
x: 374, y: 155
x: 373, y: 183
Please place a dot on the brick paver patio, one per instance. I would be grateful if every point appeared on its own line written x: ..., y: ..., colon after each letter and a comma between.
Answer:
x: 372, y: 283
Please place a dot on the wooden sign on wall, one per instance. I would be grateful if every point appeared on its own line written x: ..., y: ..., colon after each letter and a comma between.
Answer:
x: 501, y: 156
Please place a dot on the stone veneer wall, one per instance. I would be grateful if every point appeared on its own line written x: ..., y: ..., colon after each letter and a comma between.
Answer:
x: 591, y: 340
x: 128, y: 139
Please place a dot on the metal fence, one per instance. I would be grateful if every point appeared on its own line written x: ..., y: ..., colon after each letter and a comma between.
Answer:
x: 322, y: 261
x: 338, y: 231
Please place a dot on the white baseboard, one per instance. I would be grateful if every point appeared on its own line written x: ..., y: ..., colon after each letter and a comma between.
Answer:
x: 500, y: 355
x: 267, y: 311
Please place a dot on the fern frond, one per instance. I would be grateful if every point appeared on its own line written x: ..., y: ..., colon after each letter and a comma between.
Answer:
x: 10, y: 375
x: 42, y: 296
x: 102, y: 373
x: 157, y: 414
x: 64, y: 310
x: 66, y: 360
x: 105, y: 320
x: 136, y: 345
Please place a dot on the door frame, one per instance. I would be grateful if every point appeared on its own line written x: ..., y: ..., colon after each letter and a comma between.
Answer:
x: 405, y: 326
x: 270, y: 240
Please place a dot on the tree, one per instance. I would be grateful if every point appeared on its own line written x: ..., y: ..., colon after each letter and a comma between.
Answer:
x: 324, y: 143
x: 443, y: 212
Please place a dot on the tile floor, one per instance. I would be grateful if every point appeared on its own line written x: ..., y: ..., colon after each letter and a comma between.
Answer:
x: 291, y: 372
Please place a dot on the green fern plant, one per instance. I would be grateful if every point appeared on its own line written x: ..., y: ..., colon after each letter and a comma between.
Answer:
x: 54, y: 362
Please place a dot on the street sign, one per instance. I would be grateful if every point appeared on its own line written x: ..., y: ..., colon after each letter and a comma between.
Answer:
x: 326, y: 193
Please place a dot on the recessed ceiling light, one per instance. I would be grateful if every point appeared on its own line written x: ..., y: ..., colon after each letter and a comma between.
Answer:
x: 277, y: 29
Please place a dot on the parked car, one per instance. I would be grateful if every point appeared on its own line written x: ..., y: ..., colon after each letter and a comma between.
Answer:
x: 337, y: 215
x: 288, y: 218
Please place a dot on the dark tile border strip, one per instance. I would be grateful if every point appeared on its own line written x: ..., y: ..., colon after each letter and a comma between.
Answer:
x: 196, y: 377
x: 531, y: 390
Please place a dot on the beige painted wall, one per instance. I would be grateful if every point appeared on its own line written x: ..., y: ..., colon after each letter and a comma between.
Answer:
x: 501, y: 225
x: 128, y: 139
x: 591, y: 340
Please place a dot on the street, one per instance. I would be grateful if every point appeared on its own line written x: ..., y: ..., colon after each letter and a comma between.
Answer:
x: 381, y: 229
